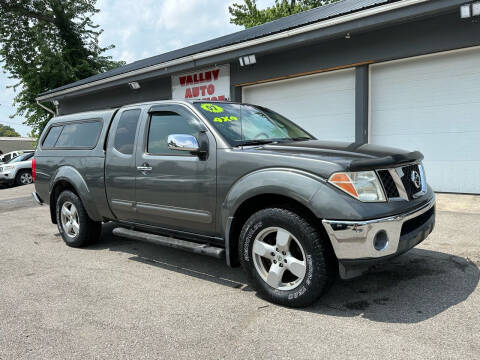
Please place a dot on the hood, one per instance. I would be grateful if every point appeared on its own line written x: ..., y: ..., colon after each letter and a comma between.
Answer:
x: 350, y: 156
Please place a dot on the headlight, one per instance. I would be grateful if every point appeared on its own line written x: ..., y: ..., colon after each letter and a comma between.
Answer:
x: 8, y: 167
x: 363, y: 185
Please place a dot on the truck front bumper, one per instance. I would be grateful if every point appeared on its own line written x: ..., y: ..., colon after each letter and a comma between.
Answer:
x: 360, y: 244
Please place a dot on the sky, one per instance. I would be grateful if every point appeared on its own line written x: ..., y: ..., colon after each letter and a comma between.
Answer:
x: 143, y: 28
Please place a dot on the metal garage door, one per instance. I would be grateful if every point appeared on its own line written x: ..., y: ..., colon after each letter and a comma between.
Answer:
x: 432, y: 104
x: 323, y: 104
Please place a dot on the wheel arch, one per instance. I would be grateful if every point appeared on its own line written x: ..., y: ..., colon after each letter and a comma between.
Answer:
x: 68, y: 178
x: 256, y: 203
x: 20, y: 171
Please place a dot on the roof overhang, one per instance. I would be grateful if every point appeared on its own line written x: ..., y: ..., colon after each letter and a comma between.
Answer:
x: 201, y: 56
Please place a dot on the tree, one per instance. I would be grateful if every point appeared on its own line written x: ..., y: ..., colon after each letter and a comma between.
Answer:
x: 247, y: 13
x: 45, y: 44
x: 7, y: 131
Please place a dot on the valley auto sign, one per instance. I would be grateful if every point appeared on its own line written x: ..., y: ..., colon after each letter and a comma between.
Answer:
x: 207, y: 84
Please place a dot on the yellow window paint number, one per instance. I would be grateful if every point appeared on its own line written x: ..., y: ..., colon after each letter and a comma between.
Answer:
x: 225, y: 119
x: 212, y: 108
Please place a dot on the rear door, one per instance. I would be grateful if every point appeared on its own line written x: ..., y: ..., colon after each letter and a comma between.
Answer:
x: 178, y: 191
x: 120, y: 169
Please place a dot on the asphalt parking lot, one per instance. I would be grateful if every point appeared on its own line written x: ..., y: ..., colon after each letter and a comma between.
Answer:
x: 125, y: 299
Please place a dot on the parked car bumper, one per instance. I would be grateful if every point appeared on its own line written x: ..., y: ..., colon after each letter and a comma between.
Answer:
x: 7, y: 177
x: 360, y: 244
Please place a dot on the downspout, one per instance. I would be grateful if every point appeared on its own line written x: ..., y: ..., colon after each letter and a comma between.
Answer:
x: 54, y: 113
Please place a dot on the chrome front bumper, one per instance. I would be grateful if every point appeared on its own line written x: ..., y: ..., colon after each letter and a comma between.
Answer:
x: 353, y: 240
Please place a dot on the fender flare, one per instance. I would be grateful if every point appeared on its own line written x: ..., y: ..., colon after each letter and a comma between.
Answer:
x: 296, y: 184
x: 72, y: 176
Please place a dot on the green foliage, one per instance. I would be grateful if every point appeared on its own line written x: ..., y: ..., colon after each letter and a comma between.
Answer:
x: 45, y: 44
x: 247, y: 13
x: 7, y: 131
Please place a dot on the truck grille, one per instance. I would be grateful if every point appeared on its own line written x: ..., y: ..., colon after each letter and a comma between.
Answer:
x: 402, y: 186
x: 410, y: 187
x: 391, y: 190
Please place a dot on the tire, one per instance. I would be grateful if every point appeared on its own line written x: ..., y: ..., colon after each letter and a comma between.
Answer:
x: 24, y: 177
x: 276, y: 247
x: 76, y: 228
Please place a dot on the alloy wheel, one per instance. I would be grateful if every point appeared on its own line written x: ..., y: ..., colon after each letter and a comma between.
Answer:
x: 70, y: 220
x: 279, y: 258
x: 26, y: 178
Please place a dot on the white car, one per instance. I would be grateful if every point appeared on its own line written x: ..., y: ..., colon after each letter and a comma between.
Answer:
x: 17, y: 171
x: 5, y: 158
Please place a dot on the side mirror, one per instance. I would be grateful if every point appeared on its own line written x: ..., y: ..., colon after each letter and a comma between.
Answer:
x: 183, y: 142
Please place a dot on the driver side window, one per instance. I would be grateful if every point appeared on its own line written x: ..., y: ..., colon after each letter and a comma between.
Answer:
x: 165, y: 123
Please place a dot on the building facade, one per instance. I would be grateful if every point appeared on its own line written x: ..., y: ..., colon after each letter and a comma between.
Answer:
x: 8, y: 144
x: 396, y: 73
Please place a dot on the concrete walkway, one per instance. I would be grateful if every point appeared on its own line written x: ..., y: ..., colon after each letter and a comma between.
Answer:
x: 466, y: 204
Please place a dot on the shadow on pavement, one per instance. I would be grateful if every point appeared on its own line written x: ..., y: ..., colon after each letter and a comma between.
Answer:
x: 409, y: 289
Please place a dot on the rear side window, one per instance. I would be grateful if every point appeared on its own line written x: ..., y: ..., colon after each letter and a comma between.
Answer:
x: 79, y: 135
x: 126, y: 130
x: 52, y: 136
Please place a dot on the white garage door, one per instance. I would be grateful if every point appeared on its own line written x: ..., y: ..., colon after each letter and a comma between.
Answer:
x: 323, y: 104
x: 432, y: 104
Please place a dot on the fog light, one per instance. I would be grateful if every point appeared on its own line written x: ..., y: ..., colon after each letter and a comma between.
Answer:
x: 380, y: 241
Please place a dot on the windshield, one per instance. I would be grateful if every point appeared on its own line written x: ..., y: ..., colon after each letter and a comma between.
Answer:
x: 22, y: 157
x: 7, y: 158
x: 249, y: 125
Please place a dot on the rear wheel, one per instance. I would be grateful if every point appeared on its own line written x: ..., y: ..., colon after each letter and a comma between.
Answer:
x: 76, y: 228
x: 286, y: 259
x: 24, y: 177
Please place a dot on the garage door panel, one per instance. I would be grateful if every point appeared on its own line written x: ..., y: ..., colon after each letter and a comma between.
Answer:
x: 426, y: 69
x: 323, y: 128
x: 432, y: 104
x: 448, y: 118
x: 445, y: 146
x: 413, y: 93
x: 322, y: 104
x: 450, y: 176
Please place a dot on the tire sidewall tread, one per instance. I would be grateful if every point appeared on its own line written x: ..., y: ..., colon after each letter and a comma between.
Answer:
x: 89, y: 230
x: 319, y: 272
x: 19, y: 174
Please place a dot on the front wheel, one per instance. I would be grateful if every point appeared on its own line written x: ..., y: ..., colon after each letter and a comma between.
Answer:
x: 286, y: 259
x: 76, y: 228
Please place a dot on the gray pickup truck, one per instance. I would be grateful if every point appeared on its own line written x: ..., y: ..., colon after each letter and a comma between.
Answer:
x: 237, y: 181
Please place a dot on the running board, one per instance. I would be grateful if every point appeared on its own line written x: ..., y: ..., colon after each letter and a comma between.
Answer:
x: 193, y: 247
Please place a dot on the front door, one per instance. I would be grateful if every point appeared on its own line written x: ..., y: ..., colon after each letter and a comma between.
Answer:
x: 175, y: 189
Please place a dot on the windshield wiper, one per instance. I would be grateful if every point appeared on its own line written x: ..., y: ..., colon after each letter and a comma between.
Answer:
x: 255, y: 142
x: 272, y: 141
x: 301, y: 138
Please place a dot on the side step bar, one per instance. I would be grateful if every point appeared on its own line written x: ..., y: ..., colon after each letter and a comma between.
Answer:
x: 193, y: 247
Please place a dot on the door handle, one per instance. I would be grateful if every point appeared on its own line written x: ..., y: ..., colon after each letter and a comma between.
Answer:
x: 144, y: 167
